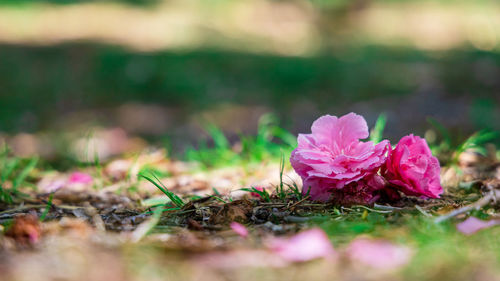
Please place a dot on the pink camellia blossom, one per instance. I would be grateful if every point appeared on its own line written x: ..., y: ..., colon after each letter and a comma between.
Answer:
x: 305, y: 246
x: 240, y: 229
x: 473, y: 225
x: 332, y: 156
x: 378, y: 253
x: 80, y: 178
x: 412, y: 169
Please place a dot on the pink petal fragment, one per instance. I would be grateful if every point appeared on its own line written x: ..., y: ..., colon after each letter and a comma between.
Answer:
x: 473, y: 225
x: 305, y: 246
x: 378, y: 253
x: 255, y: 194
x: 54, y: 185
x: 240, y: 229
x: 81, y: 178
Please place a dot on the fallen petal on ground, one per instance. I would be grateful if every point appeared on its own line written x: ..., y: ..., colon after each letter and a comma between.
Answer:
x: 240, y: 229
x: 305, y: 246
x: 81, y: 178
x: 473, y: 225
x: 378, y: 253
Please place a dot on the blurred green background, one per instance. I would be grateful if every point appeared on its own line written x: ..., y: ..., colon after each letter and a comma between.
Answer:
x: 163, y: 69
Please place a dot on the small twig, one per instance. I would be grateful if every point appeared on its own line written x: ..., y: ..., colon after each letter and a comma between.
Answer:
x: 342, y: 208
x: 430, y: 206
x: 184, y: 212
x: 373, y: 210
x: 422, y: 211
x: 272, y: 204
x: 490, y: 197
x: 386, y: 207
x: 298, y: 202
x: 266, y: 204
x: 295, y: 219
x: 22, y: 208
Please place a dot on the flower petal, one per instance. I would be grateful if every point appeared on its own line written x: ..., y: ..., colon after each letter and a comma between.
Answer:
x: 473, y: 225
x: 305, y: 246
x: 240, y: 229
x: 378, y: 253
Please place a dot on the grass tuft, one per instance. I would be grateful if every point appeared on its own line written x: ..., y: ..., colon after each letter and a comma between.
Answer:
x: 280, y: 189
x: 451, y: 146
x: 15, y: 171
x: 152, y: 178
x: 476, y: 142
x: 269, y: 143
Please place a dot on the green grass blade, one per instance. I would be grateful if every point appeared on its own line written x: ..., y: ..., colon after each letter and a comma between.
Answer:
x: 8, y: 168
x: 281, y: 192
x: 220, y: 140
x: 442, y: 130
x: 262, y: 193
x: 24, y: 173
x: 47, y: 208
x: 378, y: 130
x: 156, y: 182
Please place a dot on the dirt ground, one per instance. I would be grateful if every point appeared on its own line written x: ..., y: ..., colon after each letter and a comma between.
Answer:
x: 100, y: 223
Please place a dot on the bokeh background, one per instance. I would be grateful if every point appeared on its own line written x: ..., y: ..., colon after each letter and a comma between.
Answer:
x: 132, y: 72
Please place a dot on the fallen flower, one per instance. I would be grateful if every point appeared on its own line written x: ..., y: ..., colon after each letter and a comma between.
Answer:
x: 25, y: 229
x: 378, y: 253
x: 473, y: 225
x: 333, y: 156
x: 80, y: 178
x: 412, y: 169
x: 240, y: 229
x: 305, y: 246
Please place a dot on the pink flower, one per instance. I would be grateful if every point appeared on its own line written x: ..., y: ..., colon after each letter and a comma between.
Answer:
x: 305, y: 246
x: 80, y: 178
x: 412, y: 168
x: 255, y: 194
x: 378, y: 253
x: 473, y: 225
x: 333, y: 155
x: 240, y: 229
